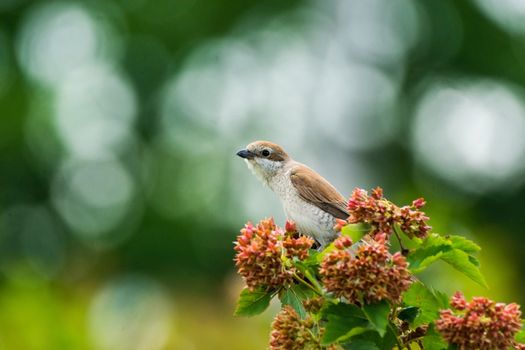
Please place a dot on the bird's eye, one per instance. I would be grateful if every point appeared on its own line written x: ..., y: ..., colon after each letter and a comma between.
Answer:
x: 265, y: 153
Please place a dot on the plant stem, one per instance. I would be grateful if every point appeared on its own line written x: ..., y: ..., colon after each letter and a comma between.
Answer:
x: 404, y: 250
x: 314, y: 281
x: 399, y: 344
x: 311, y: 286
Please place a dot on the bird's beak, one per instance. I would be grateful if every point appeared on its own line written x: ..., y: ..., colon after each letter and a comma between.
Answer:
x: 244, y: 153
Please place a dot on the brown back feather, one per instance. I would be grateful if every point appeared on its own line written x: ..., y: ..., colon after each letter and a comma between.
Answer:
x: 316, y: 190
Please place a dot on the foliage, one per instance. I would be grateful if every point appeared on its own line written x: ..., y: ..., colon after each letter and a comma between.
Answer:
x: 360, y: 295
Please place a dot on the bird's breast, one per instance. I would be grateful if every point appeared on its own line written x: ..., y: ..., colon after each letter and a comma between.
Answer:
x: 309, y: 219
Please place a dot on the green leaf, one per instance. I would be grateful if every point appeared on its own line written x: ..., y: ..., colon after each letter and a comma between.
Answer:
x: 252, y: 303
x: 442, y: 298
x: 313, y: 258
x: 420, y: 296
x: 372, y: 339
x: 432, y: 248
x: 520, y: 337
x: 461, y: 243
x: 355, y: 231
x: 433, y: 340
x: 390, y: 339
x: 328, y: 249
x: 422, y: 257
x: 361, y: 344
x: 290, y: 297
x: 295, y: 296
x: 377, y: 314
x: 474, y: 260
x: 343, y: 321
x: 454, y: 250
x: 460, y: 260
x: 308, y: 269
x: 408, y: 314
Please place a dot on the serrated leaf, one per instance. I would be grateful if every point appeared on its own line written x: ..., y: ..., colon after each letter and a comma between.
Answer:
x: 420, y: 296
x: 429, y: 251
x: 290, y: 297
x: 422, y: 257
x: 355, y: 231
x: 455, y: 250
x: 343, y: 321
x: 252, y: 303
x: 377, y: 314
x: 460, y: 260
x: 464, y: 244
x: 433, y: 340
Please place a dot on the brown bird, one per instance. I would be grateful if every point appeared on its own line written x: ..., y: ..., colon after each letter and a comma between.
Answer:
x: 308, y: 199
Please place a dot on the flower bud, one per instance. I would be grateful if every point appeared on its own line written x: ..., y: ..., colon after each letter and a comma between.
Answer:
x: 290, y: 226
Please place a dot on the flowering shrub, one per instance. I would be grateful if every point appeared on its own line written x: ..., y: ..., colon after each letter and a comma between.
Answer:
x: 370, y: 274
x: 364, y: 295
x: 291, y: 332
x: 383, y: 215
x: 260, y: 251
x: 479, y: 324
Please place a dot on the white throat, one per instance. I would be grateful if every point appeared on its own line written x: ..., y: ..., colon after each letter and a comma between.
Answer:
x: 265, y: 169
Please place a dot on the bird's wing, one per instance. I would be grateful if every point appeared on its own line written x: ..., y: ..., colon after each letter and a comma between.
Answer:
x: 314, y: 189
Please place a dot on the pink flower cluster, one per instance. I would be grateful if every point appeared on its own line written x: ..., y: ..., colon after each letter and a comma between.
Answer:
x: 260, y: 251
x: 382, y: 214
x: 480, y: 324
x: 290, y: 332
x: 369, y: 274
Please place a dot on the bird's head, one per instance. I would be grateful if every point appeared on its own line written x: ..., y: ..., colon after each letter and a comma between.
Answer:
x: 264, y: 158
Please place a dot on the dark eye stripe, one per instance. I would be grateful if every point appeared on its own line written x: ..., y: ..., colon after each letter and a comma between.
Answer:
x: 276, y: 157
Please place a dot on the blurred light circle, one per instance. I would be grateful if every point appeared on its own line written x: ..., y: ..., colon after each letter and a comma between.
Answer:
x: 94, y: 198
x: 56, y: 38
x: 509, y: 14
x: 257, y: 85
x: 377, y: 30
x: 354, y: 104
x: 472, y: 134
x: 132, y: 313
x: 219, y: 89
x: 95, y: 110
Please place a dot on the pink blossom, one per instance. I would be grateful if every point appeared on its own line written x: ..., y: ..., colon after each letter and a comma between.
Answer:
x: 480, y: 324
x: 382, y: 214
x: 370, y: 274
x: 260, y: 250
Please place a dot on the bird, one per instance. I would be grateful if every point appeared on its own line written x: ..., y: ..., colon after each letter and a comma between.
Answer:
x: 308, y: 199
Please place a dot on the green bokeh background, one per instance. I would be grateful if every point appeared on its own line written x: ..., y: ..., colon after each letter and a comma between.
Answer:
x: 120, y: 191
